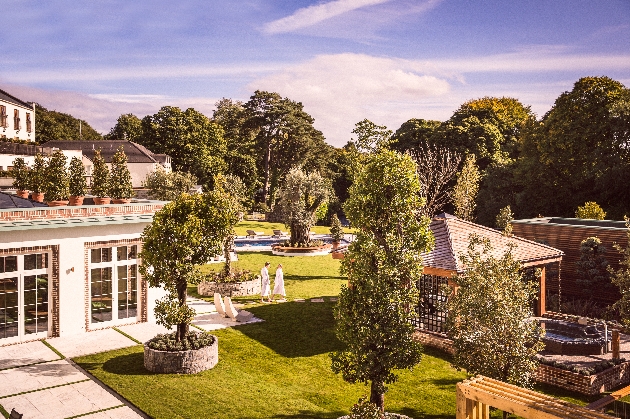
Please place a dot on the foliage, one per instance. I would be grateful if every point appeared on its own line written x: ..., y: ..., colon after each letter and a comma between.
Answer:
x: 621, y: 278
x: 231, y: 277
x: 465, y: 190
x: 336, y: 229
x: 77, y: 183
x: 383, y: 264
x: 57, y: 183
x: 504, y: 220
x: 587, y: 371
x: 37, y: 177
x: 371, y: 137
x: 413, y: 136
x: 184, y: 234
x: 128, y: 127
x: 300, y: 197
x: 191, y: 341
x: 590, y: 210
x: 165, y: 186
x: 230, y: 188
x: 53, y: 125
x: 488, y: 317
x: 592, y: 267
x: 20, y: 174
x: 120, y: 186
x: 100, y: 176
x: 364, y: 409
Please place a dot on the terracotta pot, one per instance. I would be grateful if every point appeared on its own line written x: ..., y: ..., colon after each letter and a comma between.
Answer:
x: 102, y: 200
x: 335, y: 244
x: 121, y: 200
x: 56, y: 203
x: 22, y: 194
x: 76, y: 200
x: 39, y: 197
x: 338, y: 255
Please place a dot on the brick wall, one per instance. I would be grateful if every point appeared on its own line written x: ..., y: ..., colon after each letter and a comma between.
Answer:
x: 26, y: 214
x: 434, y: 340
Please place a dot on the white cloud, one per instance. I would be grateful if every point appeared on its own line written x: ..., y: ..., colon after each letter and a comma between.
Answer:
x: 311, y: 15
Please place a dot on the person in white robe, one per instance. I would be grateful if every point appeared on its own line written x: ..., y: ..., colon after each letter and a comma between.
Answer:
x: 278, y: 284
x: 265, y: 290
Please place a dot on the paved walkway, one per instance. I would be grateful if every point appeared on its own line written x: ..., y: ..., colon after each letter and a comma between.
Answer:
x: 38, y: 383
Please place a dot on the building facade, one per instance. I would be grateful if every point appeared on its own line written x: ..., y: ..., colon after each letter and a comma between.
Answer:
x: 17, y: 118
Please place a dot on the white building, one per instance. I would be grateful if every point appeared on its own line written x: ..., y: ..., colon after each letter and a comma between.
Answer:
x: 17, y: 118
x: 70, y: 270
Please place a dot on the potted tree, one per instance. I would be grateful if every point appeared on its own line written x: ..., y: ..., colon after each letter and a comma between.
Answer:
x: 37, y: 178
x: 20, y: 177
x: 78, y: 185
x: 100, y: 180
x: 336, y: 231
x: 120, y: 186
x: 57, y: 185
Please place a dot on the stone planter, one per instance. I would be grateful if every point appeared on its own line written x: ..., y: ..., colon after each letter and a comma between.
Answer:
x: 39, y: 197
x: 22, y: 194
x: 338, y: 255
x: 182, y: 362
x: 121, y: 200
x: 301, y: 251
x: 101, y: 200
x: 56, y: 203
x: 233, y: 289
x: 76, y: 200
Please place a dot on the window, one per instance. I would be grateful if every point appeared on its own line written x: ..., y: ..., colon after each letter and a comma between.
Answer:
x: 29, y: 127
x: 16, y: 119
x: 3, y: 117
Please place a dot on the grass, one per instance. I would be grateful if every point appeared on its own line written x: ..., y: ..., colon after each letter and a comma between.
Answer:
x: 242, y: 227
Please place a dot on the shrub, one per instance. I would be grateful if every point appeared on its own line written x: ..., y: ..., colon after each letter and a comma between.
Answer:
x: 37, y: 178
x: 78, y: 185
x: 57, y: 185
x: 336, y: 229
x: 120, y: 186
x: 191, y: 341
x: 233, y: 276
x: 20, y: 174
x: 590, y: 210
x: 364, y: 409
x: 100, y: 176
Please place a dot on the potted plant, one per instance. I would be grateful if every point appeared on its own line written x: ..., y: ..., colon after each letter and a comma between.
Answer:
x: 336, y: 231
x: 100, y: 180
x: 121, y: 188
x: 37, y: 178
x: 57, y: 185
x: 20, y: 177
x: 78, y: 185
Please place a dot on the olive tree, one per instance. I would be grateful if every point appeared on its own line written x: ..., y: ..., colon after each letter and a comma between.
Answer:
x: 184, y: 234
x: 383, y: 264
x: 165, y: 186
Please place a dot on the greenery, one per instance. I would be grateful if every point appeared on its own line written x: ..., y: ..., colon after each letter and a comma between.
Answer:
x: 364, y: 409
x: 57, y: 182
x: 592, y: 369
x: 336, y: 229
x: 191, y: 341
x: 128, y: 127
x: 494, y: 338
x: 78, y: 185
x: 231, y: 276
x: 592, y: 267
x: 383, y: 261
x: 58, y: 126
x: 37, y: 177
x: 590, y: 210
x: 165, y: 186
x: 466, y: 188
x: 100, y: 176
x: 20, y: 174
x: 120, y: 186
x: 504, y: 220
x: 621, y: 278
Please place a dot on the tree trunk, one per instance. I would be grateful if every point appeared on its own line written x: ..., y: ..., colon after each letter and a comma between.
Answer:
x: 267, y: 174
x: 182, y: 328
x: 299, y: 233
x: 377, y: 397
x: 227, y: 246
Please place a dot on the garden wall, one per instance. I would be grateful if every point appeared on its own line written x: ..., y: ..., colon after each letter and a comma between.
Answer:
x: 233, y: 289
x: 434, y: 340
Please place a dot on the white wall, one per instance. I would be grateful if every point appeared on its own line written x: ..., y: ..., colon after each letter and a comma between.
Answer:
x: 10, y: 131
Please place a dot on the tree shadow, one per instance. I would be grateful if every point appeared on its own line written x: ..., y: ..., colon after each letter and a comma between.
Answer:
x: 128, y: 364
x: 311, y: 277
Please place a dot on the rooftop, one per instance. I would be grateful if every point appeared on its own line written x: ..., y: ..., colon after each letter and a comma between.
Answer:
x: 7, y: 97
x: 574, y: 222
x: 135, y: 152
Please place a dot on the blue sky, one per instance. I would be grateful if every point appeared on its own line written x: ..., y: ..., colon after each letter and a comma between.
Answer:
x: 345, y: 60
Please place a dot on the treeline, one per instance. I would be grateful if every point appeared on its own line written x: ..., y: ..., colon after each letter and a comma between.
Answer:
x: 577, y: 152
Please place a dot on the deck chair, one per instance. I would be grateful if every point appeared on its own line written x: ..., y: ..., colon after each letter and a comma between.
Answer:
x: 234, y: 314
x: 218, y: 304
x: 15, y: 415
x: 280, y: 233
x: 253, y: 234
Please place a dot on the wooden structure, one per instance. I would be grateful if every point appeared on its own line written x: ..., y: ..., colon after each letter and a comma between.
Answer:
x: 566, y: 234
x: 476, y: 395
x: 601, y: 404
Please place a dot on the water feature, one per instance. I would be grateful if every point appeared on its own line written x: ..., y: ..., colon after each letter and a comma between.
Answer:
x: 566, y: 338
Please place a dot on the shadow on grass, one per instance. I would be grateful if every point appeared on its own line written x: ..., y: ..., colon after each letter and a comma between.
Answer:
x: 128, y: 364
x: 295, y: 329
x: 310, y: 277
x: 307, y: 414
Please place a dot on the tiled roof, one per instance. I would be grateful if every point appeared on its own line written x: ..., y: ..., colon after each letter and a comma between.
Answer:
x: 452, y: 237
x: 14, y: 201
x: 135, y: 152
x: 7, y: 97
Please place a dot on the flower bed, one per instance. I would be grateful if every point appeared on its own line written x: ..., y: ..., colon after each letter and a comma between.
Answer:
x: 199, y: 352
x: 318, y: 250
x: 233, y: 289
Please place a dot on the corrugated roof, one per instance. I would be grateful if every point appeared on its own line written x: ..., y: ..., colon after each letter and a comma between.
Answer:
x: 14, y: 201
x: 574, y: 222
x: 135, y: 152
x: 12, y: 99
x: 75, y: 222
x: 452, y: 236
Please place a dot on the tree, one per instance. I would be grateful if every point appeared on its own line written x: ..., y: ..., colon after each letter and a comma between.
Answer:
x: 120, y: 178
x: 592, y: 267
x: 590, y: 210
x: 184, y: 234
x: 37, y: 176
x: 20, y: 174
x: 57, y: 183
x: 383, y: 264
x: 100, y: 176
x: 504, y: 220
x: 53, y: 125
x: 413, y: 136
x: 128, y: 127
x: 465, y: 191
x: 494, y: 338
x: 77, y: 183
x: 371, y: 137
x: 165, y: 186
x: 299, y: 198
x: 621, y: 279
x: 232, y: 189
x: 336, y: 229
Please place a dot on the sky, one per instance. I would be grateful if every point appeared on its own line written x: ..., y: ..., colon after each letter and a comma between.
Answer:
x: 344, y: 60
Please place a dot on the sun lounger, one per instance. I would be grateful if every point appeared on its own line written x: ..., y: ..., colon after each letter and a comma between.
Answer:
x: 15, y: 415
x: 234, y: 314
x: 218, y: 304
x: 253, y: 234
x: 280, y: 233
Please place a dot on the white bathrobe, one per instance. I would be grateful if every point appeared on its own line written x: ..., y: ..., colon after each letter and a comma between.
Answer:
x: 264, y: 274
x: 278, y: 283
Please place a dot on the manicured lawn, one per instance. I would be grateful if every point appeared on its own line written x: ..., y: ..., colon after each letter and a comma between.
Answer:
x: 242, y: 227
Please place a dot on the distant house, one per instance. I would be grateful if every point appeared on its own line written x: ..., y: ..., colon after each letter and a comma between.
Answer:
x: 17, y: 118
x: 140, y: 160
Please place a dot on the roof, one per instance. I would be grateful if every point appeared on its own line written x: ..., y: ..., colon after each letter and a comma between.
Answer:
x: 452, y: 236
x: 75, y: 222
x: 135, y: 152
x: 574, y: 222
x: 7, y: 97
x: 14, y: 201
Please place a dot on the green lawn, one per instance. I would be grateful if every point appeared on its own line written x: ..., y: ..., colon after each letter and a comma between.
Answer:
x: 242, y: 227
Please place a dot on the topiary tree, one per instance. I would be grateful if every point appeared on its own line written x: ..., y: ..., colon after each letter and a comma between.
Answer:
x: 78, y: 185
x: 590, y: 210
x: 120, y: 186
x: 336, y: 229
x: 383, y: 264
x: 100, y: 176
x: 592, y: 267
x: 466, y: 188
x: 299, y: 199
x: 168, y: 186
x: 20, y: 174
x: 184, y: 234
x: 37, y: 178
x: 488, y: 317
x: 232, y: 189
x: 57, y: 185
x: 504, y: 220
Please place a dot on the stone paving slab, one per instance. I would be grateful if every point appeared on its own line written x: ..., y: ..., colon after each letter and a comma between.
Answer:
x: 33, y: 377
x: 317, y: 300
x: 200, y: 306
x: 210, y: 322
x: 61, y: 402
x: 123, y: 412
x: 25, y: 354
x: 90, y: 343
x: 145, y: 331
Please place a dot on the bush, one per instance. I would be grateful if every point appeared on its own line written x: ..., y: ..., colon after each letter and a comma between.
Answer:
x: 364, y: 409
x: 100, y: 176
x: 233, y: 276
x: 78, y: 185
x: 120, y: 186
x: 192, y: 340
x: 336, y: 229
x: 590, y: 210
x: 312, y: 243
x: 20, y: 174
x: 57, y: 183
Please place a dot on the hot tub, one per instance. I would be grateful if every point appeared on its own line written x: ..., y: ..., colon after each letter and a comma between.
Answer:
x: 566, y: 338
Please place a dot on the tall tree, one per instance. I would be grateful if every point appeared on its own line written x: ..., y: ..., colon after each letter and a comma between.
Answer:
x: 373, y: 314
x: 371, y: 137
x: 592, y: 267
x: 53, y: 125
x: 466, y: 188
x: 168, y: 186
x: 128, y: 127
x: 413, y: 135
